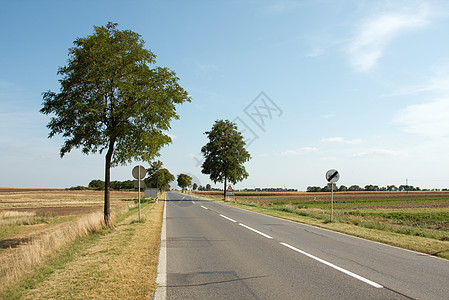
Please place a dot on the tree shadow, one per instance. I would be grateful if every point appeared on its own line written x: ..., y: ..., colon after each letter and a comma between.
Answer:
x: 14, y: 243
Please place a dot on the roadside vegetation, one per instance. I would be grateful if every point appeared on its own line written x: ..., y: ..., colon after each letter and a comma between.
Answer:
x: 413, y: 220
x: 55, y: 244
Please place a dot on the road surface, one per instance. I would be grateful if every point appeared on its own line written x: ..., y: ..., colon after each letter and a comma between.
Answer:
x: 214, y: 251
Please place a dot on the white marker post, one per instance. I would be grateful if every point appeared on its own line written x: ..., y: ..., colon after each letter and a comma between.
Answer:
x: 139, y: 174
x: 332, y: 176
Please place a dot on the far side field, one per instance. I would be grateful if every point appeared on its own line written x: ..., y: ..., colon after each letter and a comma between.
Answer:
x: 415, y: 220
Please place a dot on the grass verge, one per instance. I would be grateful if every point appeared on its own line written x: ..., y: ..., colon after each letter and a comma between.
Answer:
x: 117, y: 263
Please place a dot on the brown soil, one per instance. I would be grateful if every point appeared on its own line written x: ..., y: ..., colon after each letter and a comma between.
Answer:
x: 418, y: 205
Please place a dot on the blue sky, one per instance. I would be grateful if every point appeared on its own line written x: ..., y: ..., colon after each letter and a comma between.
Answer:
x: 358, y: 86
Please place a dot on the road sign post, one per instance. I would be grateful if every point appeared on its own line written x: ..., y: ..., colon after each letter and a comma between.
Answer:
x: 332, y: 202
x: 139, y: 173
x: 230, y: 191
x: 332, y: 176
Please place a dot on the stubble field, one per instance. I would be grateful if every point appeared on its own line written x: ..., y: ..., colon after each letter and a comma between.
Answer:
x: 46, y: 234
x: 27, y: 213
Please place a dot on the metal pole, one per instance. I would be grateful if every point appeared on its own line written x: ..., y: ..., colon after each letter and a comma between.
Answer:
x: 139, y: 194
x: 332, y: 201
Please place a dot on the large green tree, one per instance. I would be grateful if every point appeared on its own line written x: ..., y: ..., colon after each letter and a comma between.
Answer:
x: 112, y: 100
x: 225, y: 154
x: 184, y: 180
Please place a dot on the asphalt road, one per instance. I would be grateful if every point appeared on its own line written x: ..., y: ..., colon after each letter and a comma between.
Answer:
x: 214, y: 251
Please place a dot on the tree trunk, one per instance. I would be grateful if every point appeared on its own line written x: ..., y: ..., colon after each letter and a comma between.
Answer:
x: 224, y: 189
x: 107, y: 184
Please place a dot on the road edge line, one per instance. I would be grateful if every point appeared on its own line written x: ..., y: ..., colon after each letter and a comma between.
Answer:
x: 161, y: 280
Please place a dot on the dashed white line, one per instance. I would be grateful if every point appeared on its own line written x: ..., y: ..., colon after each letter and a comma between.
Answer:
x: 256, y: 231
x: 228, y: 219
x: 193, y: 202
x: 363, y: 279
x: 372, y: 283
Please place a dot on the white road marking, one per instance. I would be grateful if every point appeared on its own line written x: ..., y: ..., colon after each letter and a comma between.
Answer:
x: 193, y: 202
x: 372, y: 283
x: 256, y: 231
x: 204, y: 207
x: 228, y: 219
x: 161, y: 280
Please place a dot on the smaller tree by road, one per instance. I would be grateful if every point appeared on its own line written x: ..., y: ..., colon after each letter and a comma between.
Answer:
x: 225, y: 154
x: 184, y: 181
x: 158, y: 177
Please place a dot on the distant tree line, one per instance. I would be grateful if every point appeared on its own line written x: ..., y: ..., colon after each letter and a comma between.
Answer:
x: 157, y: 177
x: 97, y: 184
x: 272, y: 189
x: 208, y: 187
x: 367, y: 188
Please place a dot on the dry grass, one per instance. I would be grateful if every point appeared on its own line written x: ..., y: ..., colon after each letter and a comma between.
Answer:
x: 37, y: 224
x: 27, y: 214
x: 121, y: 265
x: 58, y: 198
x: 18, y: 263
x: 10, y: 218
x: 15, y: 214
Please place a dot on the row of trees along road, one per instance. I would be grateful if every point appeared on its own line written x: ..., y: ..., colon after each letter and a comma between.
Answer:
x: 367, y: 188
x: 112, y: 99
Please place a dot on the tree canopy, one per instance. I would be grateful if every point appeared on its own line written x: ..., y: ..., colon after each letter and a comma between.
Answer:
x: 159, y: 177
x: 225, y: 154
x: 184, y: 180
x: 111, y: 100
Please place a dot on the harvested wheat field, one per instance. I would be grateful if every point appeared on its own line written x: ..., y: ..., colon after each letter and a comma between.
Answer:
x: 37, y: 225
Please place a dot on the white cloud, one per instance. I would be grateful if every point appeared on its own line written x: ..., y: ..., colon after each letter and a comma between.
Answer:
x: 426, y: 119
x: 300, y: 151
x: 341, y: 140
x: 375, y: 33
x: 438, y: 85
x: 333, y: 140
x: 316, y: 51
x: 379, y: 153
x: 328, y: 116
x: 435, y: 85
x: 205, y: 68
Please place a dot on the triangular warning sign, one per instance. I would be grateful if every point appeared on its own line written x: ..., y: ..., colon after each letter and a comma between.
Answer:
x: 230, y: 189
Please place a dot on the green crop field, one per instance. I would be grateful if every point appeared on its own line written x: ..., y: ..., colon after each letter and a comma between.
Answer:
x: 405, y: 215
